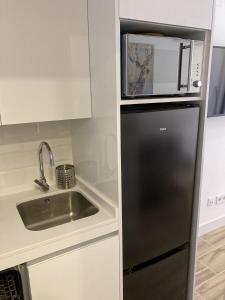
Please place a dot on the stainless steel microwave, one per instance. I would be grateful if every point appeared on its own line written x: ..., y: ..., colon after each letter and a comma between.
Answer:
x: 158, y: 65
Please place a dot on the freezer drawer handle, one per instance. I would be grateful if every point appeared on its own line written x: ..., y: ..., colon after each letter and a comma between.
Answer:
x: 153, y: 261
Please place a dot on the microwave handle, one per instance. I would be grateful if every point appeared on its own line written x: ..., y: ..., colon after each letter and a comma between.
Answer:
x: 190, y: 65
x: 180, y: 84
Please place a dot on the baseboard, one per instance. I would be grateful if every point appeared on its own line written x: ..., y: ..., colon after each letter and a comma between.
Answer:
x: 210, y: 226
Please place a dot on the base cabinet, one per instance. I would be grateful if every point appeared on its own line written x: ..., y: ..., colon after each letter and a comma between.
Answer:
x: 90, y: 272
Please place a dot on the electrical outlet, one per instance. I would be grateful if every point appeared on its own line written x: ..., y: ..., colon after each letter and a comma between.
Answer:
x: 211, y: 201
x: 220, y: 199
x: 217, y: 200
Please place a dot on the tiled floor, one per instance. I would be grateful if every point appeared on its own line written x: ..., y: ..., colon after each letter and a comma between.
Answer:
x: 210, y: 277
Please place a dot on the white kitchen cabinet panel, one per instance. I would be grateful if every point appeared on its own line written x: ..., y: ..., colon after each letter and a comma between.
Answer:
x: 44, y: 61
x: 219, y: 28
x: 191, y: 13
x: 88, y: 273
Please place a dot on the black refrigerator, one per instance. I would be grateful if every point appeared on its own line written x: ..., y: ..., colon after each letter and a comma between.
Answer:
x: 159, y: 145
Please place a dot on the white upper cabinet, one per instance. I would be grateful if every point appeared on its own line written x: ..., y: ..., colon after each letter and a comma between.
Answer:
x: 191, y: 13
x: 44, y: 60
x: 219, y: 29
x: 88, y: 273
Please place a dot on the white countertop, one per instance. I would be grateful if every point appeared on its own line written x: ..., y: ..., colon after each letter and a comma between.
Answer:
x: 19, y: 245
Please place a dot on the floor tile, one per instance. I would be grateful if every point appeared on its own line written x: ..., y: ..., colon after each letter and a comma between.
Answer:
x: 213, y: 289
x: 200, y: 266
x: 214, y: 260
x: 204, y: 275
x: 216, y: 237
x: 203, y: 247
x: 198, y: 297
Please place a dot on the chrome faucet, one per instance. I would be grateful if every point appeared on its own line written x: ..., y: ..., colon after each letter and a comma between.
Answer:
x: 42, y: 182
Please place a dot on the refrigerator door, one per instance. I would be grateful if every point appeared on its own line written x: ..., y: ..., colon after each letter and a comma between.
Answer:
x: 165, y: 280
x: 158, y: 169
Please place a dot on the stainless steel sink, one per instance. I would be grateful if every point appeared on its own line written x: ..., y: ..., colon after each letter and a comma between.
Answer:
x: 55, y: 210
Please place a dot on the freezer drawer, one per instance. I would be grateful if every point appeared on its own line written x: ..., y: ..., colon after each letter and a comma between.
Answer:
x: 158, y: 171
x: 164, y: 280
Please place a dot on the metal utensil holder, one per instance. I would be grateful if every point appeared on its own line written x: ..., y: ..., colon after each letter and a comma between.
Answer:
x: 65, y: 176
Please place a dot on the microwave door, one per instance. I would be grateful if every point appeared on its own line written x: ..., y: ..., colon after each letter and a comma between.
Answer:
x: 154, y: 65
x: 170, y: 69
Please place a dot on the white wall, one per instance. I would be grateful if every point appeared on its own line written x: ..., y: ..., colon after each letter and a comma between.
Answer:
x: 18, y: 153
x: 213, y: 183
x: 214, y: 161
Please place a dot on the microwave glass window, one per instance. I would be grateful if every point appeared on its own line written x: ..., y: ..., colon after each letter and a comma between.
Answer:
x: 140, y: 68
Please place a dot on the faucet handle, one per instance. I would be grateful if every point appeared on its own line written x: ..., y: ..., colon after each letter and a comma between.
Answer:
x: 42, y: 183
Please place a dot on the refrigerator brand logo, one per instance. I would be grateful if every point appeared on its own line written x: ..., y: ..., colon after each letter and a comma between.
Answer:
x: 163, y: 129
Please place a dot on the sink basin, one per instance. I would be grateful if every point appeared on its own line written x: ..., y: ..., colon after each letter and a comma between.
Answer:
x: 55, y: 210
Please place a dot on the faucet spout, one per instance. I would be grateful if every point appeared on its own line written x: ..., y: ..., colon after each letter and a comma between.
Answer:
x: 42, y: 182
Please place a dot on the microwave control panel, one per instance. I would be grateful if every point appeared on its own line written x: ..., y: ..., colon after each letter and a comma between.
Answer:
x: 196, y: 66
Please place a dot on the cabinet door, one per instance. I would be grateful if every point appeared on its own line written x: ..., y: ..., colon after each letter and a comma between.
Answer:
x: 91, y: 272
x: 44, y: 60
x: 219, y: 28
x: 189, y: 13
